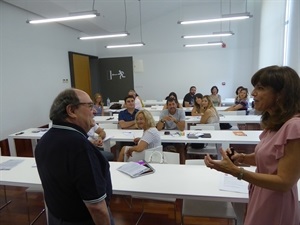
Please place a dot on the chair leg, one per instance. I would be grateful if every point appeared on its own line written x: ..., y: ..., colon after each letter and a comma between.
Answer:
x: 5, y: 198
x: 175, y: 216
x: 140, y: 217
x: 28, y: 212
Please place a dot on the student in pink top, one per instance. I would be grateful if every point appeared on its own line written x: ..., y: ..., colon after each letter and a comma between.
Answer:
x: 273, y: 194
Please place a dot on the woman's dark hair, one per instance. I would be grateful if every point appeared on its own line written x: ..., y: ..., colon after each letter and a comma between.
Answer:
x: 245, y: 89
x: 237, y: 90
x: 172, y: 94
x: 285, y: 82
x: 211, y: 90
x: 198, y: 95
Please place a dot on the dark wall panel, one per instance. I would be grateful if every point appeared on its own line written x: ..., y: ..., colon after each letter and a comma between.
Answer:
x: 116, y: 77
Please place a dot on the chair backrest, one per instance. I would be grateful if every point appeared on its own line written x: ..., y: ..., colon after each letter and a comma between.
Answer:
x: 109, y: 125
x: 156, y: 155
x: 194, y: 162
x: 171, y: 157
x: 136, y: 156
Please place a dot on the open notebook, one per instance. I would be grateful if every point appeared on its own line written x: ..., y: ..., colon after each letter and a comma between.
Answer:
x: 136, y: 169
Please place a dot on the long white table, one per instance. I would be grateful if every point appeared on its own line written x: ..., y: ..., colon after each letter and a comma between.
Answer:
x: 224, y: 137
x: 175, y: 181
x: 191, y: 119
x: 169, y: 180
x: 156, y: 109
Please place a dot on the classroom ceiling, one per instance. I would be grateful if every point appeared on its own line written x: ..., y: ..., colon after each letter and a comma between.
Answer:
x: 112, y: 12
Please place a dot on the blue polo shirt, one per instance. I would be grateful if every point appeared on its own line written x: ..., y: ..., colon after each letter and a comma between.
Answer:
x: 126, y: 116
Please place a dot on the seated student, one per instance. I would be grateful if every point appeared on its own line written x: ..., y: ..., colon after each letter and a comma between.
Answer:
x: 127, y: 117
x: 96, y: 135
x: 98, y: 105
x: 173, y: 118
x: 196, y: 111
x: 241, y: 102
x: 173, y: 95
x: 237, y: 92
x: 188, y: 100
x: 209, y: 113
x: 215, y: 97
x: 137, y: 100
x: 150, y: 138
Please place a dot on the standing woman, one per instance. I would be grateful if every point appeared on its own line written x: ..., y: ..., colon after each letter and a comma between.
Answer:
x: 215, y: 97
x: 98, y: 105
x: 150, y: 139
x: 209, y: 113
x: 196, y: 111
x: 273, y: 194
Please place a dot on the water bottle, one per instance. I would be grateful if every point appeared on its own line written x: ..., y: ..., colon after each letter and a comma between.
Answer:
x: 108, y: 102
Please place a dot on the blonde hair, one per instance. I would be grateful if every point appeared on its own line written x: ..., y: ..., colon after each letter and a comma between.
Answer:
x: 97, y: 95
x: 210, y: 104
x: 148, y: 117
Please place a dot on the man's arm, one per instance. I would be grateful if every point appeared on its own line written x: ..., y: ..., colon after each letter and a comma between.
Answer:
x: 127, y: 125
x: 99, y: 212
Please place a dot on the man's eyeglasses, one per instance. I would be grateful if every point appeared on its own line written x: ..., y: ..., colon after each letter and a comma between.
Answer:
x: 88, y: 104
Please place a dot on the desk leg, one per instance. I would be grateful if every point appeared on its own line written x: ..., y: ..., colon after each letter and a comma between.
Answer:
x: 12, y: 146
x: 239, y: 209
x: 33, y: 145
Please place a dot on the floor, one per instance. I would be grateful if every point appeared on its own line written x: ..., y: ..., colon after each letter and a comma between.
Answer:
x: 156, y: 213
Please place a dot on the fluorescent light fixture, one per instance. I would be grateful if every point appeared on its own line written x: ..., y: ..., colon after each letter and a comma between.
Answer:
x: 214, y: 34
x: 218, y: 43
x: 104, y: 36
x: 227, y: 17
x: 72, y: 16
x: 126, y: 45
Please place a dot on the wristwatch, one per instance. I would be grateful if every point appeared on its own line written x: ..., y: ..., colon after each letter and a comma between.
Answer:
x: 162, y: 121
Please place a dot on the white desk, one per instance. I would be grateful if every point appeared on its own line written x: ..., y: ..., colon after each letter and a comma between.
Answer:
x: 175, y: 181
x: 225, y: 137
x: 196, y: 182
x: 32, y: 133
x: 217, y: 136
x: 191, y: 119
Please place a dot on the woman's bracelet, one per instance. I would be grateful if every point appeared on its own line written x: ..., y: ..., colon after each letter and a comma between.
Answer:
x: 240, y: 175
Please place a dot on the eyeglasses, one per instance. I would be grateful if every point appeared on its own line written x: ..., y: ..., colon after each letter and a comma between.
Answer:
x: 89, y: 104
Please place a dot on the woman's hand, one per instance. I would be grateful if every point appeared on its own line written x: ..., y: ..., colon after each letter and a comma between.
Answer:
x: 136, y: 140
x: 129, y: 152
x: 238, y: 158
x: 225, y: 165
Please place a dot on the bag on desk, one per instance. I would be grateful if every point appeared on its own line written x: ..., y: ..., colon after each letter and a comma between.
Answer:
x: 116, y: 106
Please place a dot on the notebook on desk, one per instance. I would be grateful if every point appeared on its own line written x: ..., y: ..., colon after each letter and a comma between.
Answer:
x: 136, y: 169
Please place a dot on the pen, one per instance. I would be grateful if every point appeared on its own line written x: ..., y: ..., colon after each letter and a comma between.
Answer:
x: 19, y: 133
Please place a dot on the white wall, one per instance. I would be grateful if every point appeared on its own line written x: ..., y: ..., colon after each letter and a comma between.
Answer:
x: 171, y: 67
x: 33, y: 62
x: 271, y: 33
x: 293, y: 46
